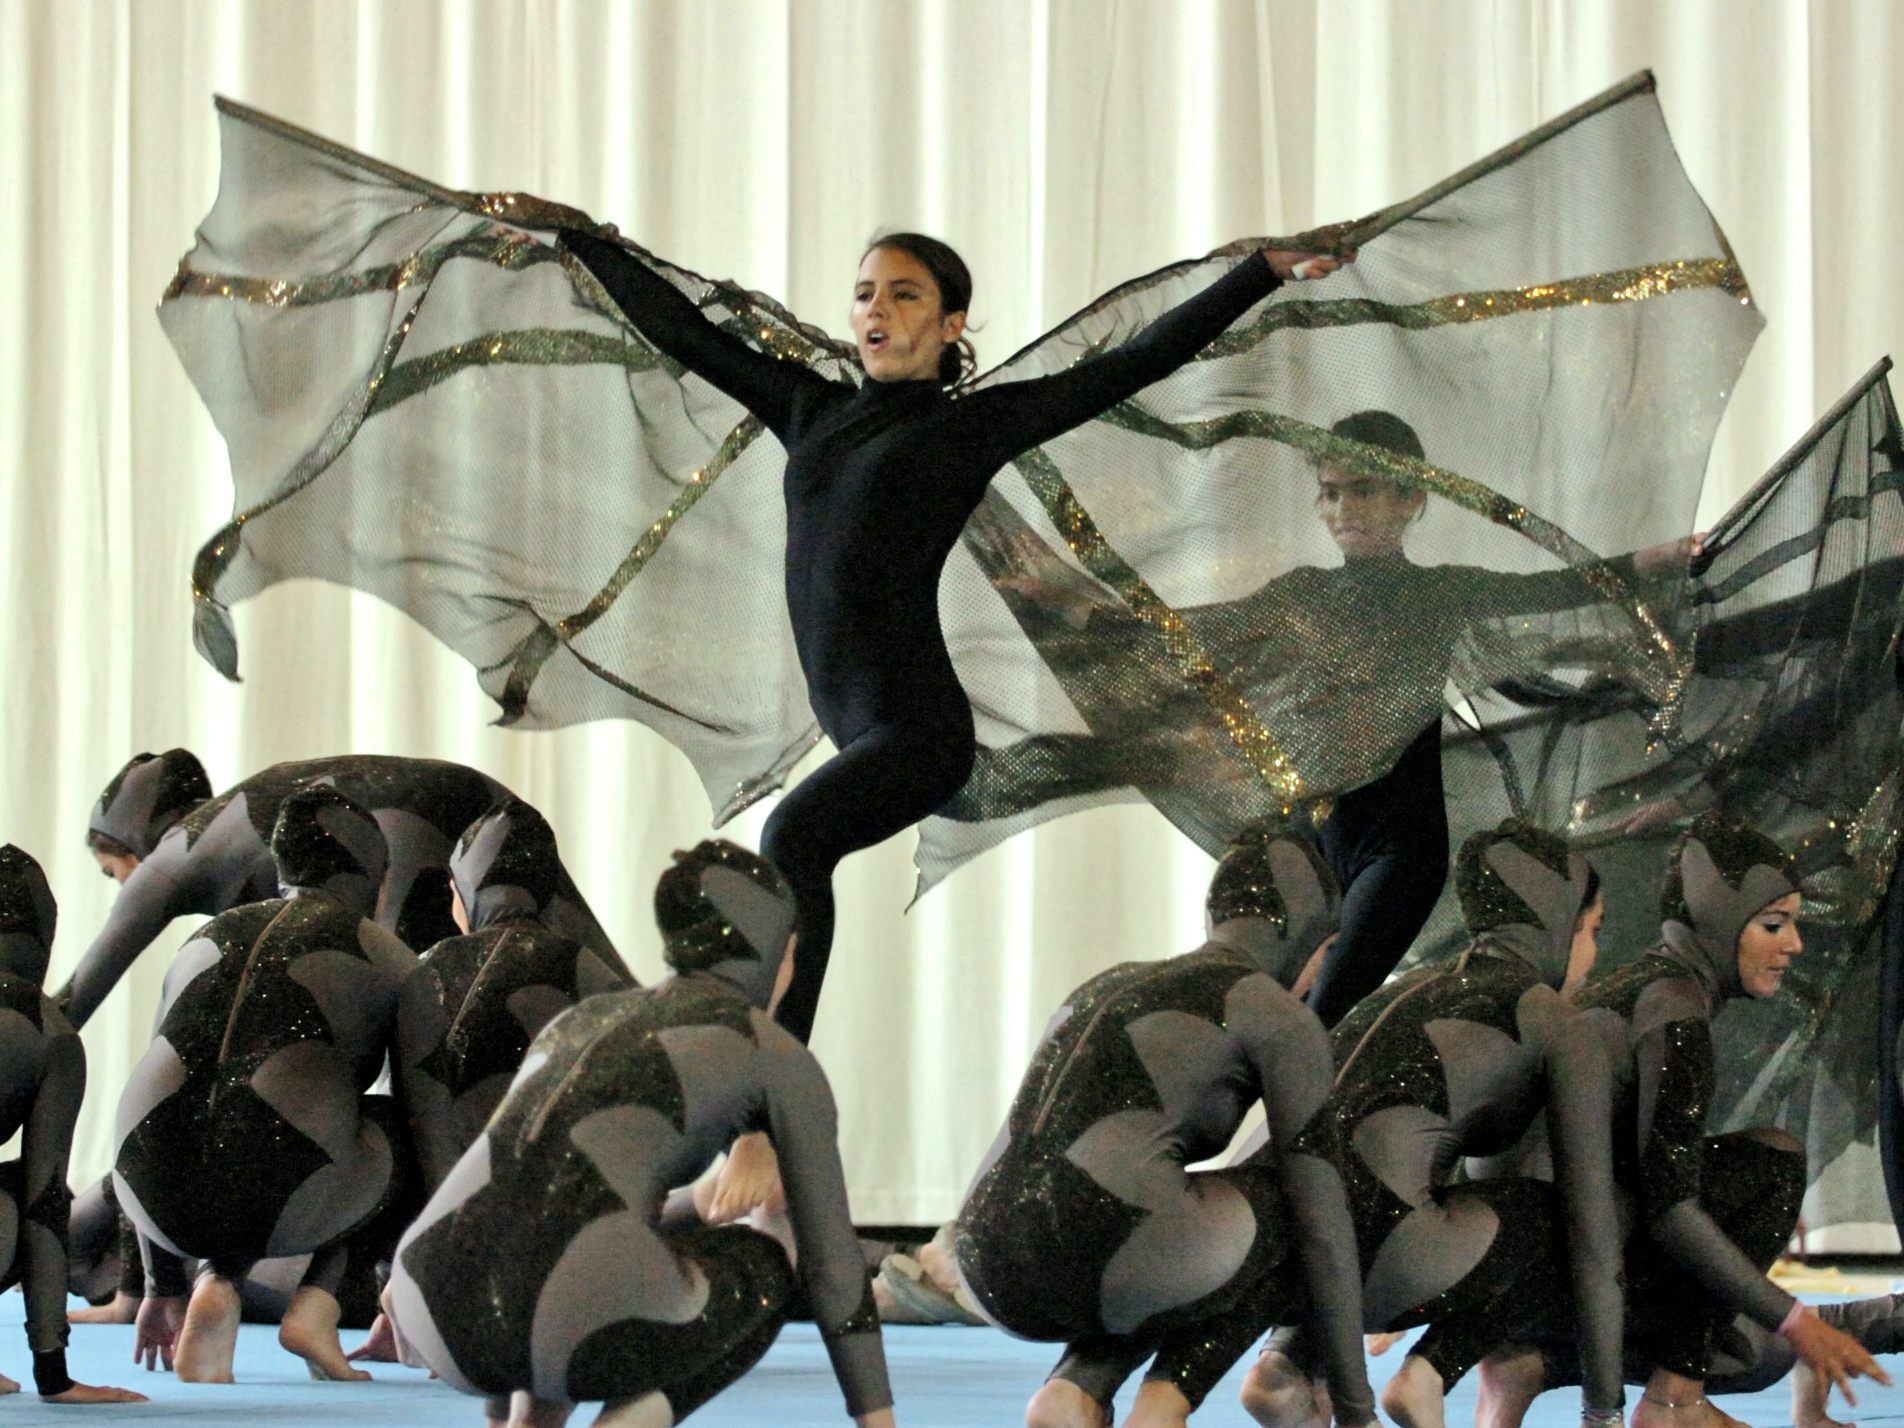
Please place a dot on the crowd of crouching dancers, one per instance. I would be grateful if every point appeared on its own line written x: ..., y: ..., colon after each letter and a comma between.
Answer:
x: 488, y: 1139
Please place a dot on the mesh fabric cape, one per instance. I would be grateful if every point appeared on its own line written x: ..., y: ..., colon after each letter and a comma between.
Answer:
x: 423, y: 401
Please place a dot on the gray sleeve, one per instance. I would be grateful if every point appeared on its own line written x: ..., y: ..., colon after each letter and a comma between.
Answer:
x: 1290, y: 1051
x: 165, y: 1276
x: 1688, y: 1234
x: 154, y: 895
x: 1579, y: 1050
x: 803, y: 1125
x: 45, y: 1201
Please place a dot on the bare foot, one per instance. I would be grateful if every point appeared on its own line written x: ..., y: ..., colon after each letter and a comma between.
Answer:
x: 1375, y: 1345
x: 7, y: 1385
x: 1160, y: 1404
x: 210, y: 1336
x: 1414, y: 1397
x: 651, y: 1410
x: 1512, y: 1377
x: 1811, y: 1397
x: 309, y: 1330
x: 123, y: 1309
x: 86, y: 1393
x: 1060, y: 1403
x: 1696, y: 1411
x: 1277, y: 1394
x: 380, y: 1347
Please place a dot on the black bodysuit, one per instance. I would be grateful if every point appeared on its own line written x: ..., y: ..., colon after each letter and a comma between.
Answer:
x: 880, y: 481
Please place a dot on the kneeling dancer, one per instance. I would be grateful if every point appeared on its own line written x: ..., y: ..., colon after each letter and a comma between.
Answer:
x: 1084, y: 1224
x: 244, y: 1132
x: 540, y: 1275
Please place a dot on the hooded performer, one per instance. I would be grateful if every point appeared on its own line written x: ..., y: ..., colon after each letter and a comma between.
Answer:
x: 1457, y: 1060
x: 244, y: 1132
x: 1084, y: 1224
x: 540, y: 1276
x: 474, y: 1003
x: 1712, y: 1212
x: 177, y: 851
x: 42, y: 1080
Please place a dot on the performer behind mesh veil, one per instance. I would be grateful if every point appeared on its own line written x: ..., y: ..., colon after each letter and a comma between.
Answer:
x: 244, y: 1133
x: 1083, y: 1224
x: 177, y: 850
x: 41, y: 1085
x: 1711, y: 1212
x: 474, y: 1003
x: 539, y: 1272
x: 1458, y: 1060
x: 1375, y: 629
x: 630, y: 553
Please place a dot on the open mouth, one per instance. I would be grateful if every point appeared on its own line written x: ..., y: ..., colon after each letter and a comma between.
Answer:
x: 876, y: 341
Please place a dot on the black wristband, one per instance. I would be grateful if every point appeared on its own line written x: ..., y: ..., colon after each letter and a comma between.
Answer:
x: 49, y: 1372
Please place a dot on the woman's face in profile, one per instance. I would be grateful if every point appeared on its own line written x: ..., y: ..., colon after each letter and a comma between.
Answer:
x: 1365, y: 516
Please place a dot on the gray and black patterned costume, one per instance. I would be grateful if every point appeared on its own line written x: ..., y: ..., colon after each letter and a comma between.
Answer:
x: 244, y: 1132
x: 474, y: 1003
x: 540, y: 1265
x: 215, y: 855
x: 1712, y: 1212
x: 1458, y: 1060
x: 42, y: 1081
x: 1084, y: 1225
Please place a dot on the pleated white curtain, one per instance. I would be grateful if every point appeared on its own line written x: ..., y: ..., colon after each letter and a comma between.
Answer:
x: 1062, y: 145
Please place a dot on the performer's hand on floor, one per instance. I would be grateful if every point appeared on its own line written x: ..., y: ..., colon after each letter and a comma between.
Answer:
x: 86, y: 1393
x: 1833, y: 1355
x: 380, y: 1347
x: 749, y: 1179
x: 161, y: 1317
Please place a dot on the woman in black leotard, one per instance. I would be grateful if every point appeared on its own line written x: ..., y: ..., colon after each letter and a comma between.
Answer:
x: 880, y: 480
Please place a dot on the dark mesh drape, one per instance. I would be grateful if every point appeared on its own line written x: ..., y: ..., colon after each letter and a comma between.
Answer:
x: 1792, y: 720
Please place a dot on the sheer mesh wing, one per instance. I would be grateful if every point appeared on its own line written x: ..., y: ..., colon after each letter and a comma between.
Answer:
x: 1793, y: 720
x: 1562, y: 324
x: 422, y: 401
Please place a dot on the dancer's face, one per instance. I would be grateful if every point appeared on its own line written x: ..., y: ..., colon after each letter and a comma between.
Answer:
x: 1586, y: 943
x: 117, y: 866
x: 1768, y: 944
x: 898, y: 320
x: 1365, y: 516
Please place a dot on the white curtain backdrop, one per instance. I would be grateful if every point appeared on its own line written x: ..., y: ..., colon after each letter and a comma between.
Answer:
x: 1062, y: 145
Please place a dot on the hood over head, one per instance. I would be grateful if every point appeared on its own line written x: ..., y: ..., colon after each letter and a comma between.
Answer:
x: 1522, y: 890
x: 28, y: 915
x: 147, y: 796
x: 1719, y: 874
x: 325, y: 842
x: 728, y: 913
x: 1278, y: 883
x: 506, y: 866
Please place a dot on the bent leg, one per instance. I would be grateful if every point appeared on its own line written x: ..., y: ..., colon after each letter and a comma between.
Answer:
x: 880, y: 784
x: 1385, y: 904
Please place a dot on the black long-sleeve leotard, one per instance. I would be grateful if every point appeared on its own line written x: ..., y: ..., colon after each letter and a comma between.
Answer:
x: 880, y: 480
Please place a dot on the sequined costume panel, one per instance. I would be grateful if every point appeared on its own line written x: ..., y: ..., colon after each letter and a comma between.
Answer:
x: 465, y: 1019
x: 217, y: 858
x: 245, y: 1133
x: 42, y: 1081
x: 1084, y: 1225
x: 540, y: 1263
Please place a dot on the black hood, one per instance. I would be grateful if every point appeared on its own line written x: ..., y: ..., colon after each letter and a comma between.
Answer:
x: 506, y: 866
x: 28, y: 915
x: 147, y: 796
x: 325, y: 842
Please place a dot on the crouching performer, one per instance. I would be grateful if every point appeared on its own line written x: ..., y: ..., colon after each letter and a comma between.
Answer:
x: 244, y: 1132
x: 1084, y: 1224
x: 540, y: 1276
x: 474, y: 1003
x: 42, y: 1080
x: 1712, y: 1212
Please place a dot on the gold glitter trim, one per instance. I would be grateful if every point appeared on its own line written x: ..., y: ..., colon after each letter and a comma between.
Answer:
x: 1251, y: 736
x: 1618, y: 286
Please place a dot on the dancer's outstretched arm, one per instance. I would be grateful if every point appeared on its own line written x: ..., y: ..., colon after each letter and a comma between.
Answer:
x: 664, y: 315
x: 1016, y: 416
x: 1290, y: 1051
